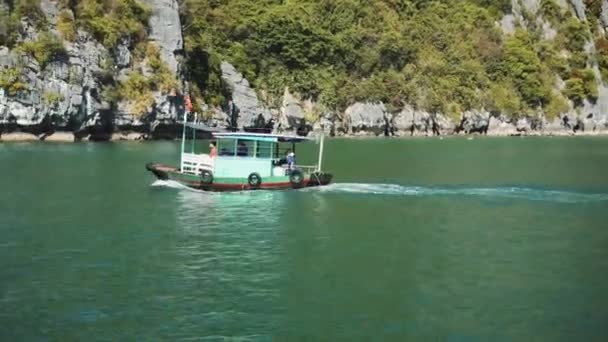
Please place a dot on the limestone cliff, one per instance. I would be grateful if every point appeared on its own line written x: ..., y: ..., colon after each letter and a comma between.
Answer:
x: 84, y: 88
x: 67, y: 94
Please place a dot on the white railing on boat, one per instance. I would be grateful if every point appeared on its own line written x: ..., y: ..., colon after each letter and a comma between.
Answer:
x: 307, y: 168
x: 194, y: 163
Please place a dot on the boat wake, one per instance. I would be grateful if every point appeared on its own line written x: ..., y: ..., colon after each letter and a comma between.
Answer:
x: 523, y: 193
x: 176, y: 185
x: 493, y: 192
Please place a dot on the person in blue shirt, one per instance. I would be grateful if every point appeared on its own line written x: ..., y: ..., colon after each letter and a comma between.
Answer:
x: 291, y: 160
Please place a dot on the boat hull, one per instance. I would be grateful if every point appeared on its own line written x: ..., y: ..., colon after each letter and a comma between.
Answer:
x: 165, y: 172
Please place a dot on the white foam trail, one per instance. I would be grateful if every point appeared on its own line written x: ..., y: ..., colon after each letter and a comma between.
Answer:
x: 175, y: 185
x: 497, y: 192
x: 401, y: 190
x: 179, y: 186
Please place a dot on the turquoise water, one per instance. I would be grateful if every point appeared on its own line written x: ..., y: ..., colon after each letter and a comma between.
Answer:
x: 421, y: 239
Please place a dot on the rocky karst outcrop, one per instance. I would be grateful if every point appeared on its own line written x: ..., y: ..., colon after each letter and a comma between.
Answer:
x: 366, y: 118
x: 166, y: 30
x: 66, y: 97
x: 604, y: 14
x: 244, y: 109
x: 67, y: 94
x: 291, y: 114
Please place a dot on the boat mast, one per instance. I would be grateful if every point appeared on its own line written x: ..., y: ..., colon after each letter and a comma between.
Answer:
x: 194, y: 133
x: 182, y: 74
x: 181, y: 164
x: 187, y: 106
x: 320, y: 153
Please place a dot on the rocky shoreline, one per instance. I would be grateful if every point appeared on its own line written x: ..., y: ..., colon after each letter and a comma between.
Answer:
x: 70, y: 137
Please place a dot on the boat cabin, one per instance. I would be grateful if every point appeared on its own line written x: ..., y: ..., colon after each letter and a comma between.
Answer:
x: 239, y: 154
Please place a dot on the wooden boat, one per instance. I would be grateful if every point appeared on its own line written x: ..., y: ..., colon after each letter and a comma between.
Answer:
x: 243, y: 161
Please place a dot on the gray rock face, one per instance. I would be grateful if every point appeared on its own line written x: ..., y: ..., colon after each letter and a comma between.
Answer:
x: 166, y: 30
x: 245, y: 107
x: 291, y: 113
x: 520, y: 12
x: 507, y: 24
x: 123, y: 55
x: 591, y: 117
x: 324, y: 125
x: 67, y: 93
x: 531, y: 6
x: 591, y: 120
x: 403, y: 123
x: 549, y: 33
x: 43, y: 95
x: 475, y: 122
x: 217, y: 118
x: 579, y: 9
x: 516, y: 10
x: 604, y: 14
x: 50, y: 10
x: 556, y: 127
x: 523, y: 125
x: 412, y: 122
x: 367, y: 118
x: 442, y: 125
x: 501, y: 127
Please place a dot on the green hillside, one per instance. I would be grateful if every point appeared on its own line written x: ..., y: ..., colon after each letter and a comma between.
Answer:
x: 441, y: 56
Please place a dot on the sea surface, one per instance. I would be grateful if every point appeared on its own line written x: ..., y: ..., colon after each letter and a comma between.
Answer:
x: 490, y: 239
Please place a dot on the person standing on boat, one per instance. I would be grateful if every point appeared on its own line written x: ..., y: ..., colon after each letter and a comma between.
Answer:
x: 242, y: 150
x: 291, y: 160
x: 212, y: 151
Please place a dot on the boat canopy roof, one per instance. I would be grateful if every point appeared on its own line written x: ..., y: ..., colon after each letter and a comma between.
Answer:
x: 261, y: 137
x: 201, y: 127
x: 220, y: 133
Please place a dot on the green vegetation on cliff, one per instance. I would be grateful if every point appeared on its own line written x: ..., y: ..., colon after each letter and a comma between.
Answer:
x: 11, y: 80
x: 442, y: 56
x: 150, y: 75
x: 52, y: 98
x: 44, y: 49
x: 110, y: 21
x: 10, y: 20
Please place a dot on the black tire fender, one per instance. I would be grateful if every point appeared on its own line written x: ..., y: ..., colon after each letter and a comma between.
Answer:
x: 206, y: 177
x: 254, y: 180
x: 296, y: 178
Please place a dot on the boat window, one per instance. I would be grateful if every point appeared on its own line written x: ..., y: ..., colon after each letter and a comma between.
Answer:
x: 264, y: 149
x: 245, y: 148
x: 226, y: 147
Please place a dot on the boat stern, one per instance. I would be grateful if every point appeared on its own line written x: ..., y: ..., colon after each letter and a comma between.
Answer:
x: 320, y: 178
